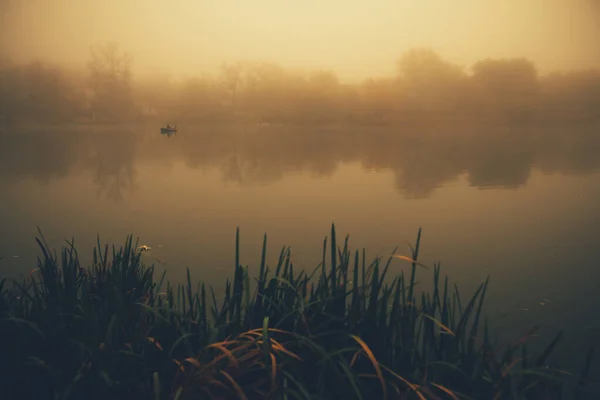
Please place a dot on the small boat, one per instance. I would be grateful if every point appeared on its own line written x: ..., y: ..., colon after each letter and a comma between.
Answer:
x: 169, y: 129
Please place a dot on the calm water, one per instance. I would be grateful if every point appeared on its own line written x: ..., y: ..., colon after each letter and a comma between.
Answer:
x: 519, y: 204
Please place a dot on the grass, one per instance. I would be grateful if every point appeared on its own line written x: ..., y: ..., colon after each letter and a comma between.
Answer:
x: 346, y: 330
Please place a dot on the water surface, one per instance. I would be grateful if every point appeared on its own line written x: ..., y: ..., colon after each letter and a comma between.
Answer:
x: 521, y: 205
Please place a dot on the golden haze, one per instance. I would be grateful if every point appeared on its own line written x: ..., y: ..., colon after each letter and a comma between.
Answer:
x: 354, y: 38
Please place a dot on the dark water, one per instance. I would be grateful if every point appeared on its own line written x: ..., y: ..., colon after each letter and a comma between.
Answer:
x: 522, y: 205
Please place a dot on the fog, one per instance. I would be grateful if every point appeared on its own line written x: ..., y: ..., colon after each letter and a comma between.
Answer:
x: 376, y: 63
x: 400, y: 107
x: 356, y: 39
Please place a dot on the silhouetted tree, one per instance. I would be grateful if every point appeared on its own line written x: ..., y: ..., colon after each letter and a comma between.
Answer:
x: 319, y: 95
x: 200, y: 99
x: 571, y: 96
x: 47, y: 94
x: 431, y: 83
x: 35, y: 92
x: 507, y: 86
x: 232, y: 75
x: 426, y: 88
x: 156, y: 96
x: 110, y: 79
x: 10, y: 94
x: 266, y: 91
x: 381, y: 100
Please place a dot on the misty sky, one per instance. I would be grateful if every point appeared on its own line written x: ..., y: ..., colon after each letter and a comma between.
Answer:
x: 355, y: 38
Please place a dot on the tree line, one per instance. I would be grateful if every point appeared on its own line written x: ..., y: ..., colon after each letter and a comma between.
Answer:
x: 425, y: 88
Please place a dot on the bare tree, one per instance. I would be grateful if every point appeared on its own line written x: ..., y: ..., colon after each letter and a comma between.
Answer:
x: 232, y: 75
x: 110, y: 81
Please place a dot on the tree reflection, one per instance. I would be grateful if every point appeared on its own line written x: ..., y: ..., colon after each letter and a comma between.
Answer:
x: 114, y: 171
x: 112, y: 182
x: 421, y: 161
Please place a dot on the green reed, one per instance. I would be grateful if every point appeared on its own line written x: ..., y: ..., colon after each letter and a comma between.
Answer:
x: 347, y: 329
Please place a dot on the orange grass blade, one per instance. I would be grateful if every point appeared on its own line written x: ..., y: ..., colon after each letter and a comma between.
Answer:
x: 412, y: 386
x: 193, y: 361
x: 374, y: 361
x: 411, y: 260
x: 279, y: 347
x: 235, y: 385
x: 438, y: 323
x: 445, y: 390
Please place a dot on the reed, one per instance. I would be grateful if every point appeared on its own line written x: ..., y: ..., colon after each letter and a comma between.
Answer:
x: 348, y: 329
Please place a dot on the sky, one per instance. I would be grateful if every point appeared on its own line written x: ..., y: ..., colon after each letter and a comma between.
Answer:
x: 354, y: 38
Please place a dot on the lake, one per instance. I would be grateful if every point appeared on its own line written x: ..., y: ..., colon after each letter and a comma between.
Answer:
x: 519, y: 204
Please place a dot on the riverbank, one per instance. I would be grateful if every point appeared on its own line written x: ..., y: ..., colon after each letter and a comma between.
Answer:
x: 347, y: 329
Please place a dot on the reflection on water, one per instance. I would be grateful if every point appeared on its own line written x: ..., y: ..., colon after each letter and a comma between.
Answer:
x: 535, y: 229
x: 420, y: 161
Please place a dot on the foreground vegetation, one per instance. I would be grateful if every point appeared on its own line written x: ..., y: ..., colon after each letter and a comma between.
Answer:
x: 347, y: 330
